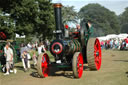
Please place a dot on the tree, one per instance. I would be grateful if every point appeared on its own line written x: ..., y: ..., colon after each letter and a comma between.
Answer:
x: 124, y: 28
x: 104, y: 21
x: 124, y: 21
x: 45, y: 21
x: 30, y: 16
x: 69, y: 14
x: 6, y: 25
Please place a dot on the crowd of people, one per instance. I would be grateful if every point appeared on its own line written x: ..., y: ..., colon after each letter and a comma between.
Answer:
x: 115, y: 44
x: 28, y: 52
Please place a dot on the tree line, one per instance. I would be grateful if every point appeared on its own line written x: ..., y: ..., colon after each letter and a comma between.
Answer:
x: 36, y: 18
x: 104, y: 21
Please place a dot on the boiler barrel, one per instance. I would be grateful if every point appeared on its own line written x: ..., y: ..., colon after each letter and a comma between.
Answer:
x: 65, y: 47
x: 74, y: 46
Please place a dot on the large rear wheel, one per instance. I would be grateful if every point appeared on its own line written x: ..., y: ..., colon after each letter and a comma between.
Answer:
x: 43, y: 65
x: 94, y: 54
x: 77, y: 65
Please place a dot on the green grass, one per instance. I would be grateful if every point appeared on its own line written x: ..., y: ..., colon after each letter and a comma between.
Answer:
x: 48, y: 52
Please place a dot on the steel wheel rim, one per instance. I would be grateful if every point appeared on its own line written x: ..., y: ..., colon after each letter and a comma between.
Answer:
x: 44, y: 65
x: 97, y: 54
x: 80, y: 65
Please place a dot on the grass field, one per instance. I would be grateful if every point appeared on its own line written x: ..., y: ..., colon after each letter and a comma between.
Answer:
x: 114, y: 71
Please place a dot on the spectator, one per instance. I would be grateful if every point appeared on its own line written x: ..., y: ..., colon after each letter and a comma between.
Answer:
x: 36, y: 44
x: 47, y: 44
x: 106, y: 44
x: 25, y: 58
x: 102, y: 44
x: 116, y: 43
x: 29, y: 58
x: 41, y: 48
x: 29, y: 45
x: 22, y: 49
x: 34, y: 57
x: 126, y: 40
x: 111, y: 43
x: 8, y: 53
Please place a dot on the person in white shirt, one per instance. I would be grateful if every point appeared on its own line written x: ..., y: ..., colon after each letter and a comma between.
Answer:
x: 8, y: 53
x: 29, y: 45
x: 40, y: 48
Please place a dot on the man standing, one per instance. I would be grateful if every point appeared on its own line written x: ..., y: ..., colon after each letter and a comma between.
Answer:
x: 89, y: 28
x: 8, y: 53
x: 126, y: 40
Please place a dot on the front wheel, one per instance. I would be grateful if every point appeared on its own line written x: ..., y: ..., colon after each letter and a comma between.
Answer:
x: 77, y: 65
x: 43, y: 65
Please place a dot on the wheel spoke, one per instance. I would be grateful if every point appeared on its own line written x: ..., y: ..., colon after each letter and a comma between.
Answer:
x: 97, y: 54
x: 77, y: 60
x: 44, y: 65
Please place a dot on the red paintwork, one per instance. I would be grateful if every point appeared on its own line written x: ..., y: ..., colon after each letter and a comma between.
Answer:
x: 1, y: 51
x: 44, y: 64
x: 2, y: 35
x: 126, y: 40
x: 60, y: 45
x: 97, y: 48
x: 66, y: 26
x: 80, y: 68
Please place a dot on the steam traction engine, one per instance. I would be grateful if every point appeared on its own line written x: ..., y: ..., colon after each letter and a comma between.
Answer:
x: 71, y: 49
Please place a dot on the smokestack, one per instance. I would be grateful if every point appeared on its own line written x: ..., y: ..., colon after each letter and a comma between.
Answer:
x: 58, y: 20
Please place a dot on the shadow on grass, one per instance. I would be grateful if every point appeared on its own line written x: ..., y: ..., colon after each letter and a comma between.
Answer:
x: 19, y: 68
x: 121, y: 60
x: 126, y: 73
x: 33, y: 67
x: 35, y: 74
x: 54, y: 72
x: 86, y: 68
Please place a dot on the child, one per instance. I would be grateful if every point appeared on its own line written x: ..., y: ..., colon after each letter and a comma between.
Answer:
x: 34, y: 57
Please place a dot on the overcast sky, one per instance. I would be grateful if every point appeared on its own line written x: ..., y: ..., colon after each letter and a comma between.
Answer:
x: 118, y: 6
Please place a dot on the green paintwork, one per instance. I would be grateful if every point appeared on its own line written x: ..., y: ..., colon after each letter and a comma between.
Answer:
x: 60, y: 66
x: 88, y: 34
x: 76, y: 45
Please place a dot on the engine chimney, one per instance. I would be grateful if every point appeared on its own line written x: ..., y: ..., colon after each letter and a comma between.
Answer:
x: 58, y: 20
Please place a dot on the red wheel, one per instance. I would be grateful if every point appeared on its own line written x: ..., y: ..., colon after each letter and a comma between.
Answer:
x: 94, y: 54
x: 97, y: 54
x: 77, y: 65
x: 43, y: 65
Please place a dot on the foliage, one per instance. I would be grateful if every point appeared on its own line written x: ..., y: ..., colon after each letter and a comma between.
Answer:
x: 6, y: 25
x: 104, y: 21
x: 30, y: 16
x: 69, y: 14
x: 124, y: 21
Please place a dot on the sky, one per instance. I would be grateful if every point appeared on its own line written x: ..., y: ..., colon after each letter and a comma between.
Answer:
x: 118, y: 6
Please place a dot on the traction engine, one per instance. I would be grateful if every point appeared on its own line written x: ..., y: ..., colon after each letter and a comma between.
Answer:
x: 71, y: 49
